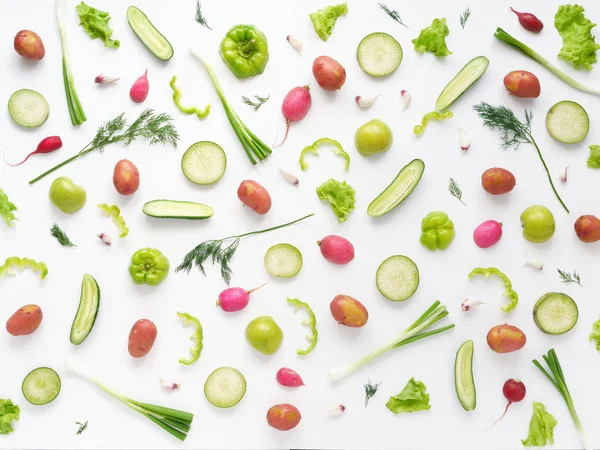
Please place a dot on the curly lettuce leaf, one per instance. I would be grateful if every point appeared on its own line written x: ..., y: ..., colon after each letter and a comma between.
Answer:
x: 433, y: 39
x: 8, y: 414
x: 595, y: 334
x: 95, y: 23
x: 579, y: 46
x: 7, y: 208
x: 412, y: 398
x: 541, y: 427
x: 593, y: 161
x: 324, y: 20
x: 341, y: 196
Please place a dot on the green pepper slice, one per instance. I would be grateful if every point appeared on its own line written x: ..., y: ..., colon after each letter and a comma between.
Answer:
x: 200, y: 113
x: 508, y: 290
x: 114, y: 213
x: 245, y: 51
x: 197, y: 337
x: 418, y: 130
x: 311, y: 322
x: 148, y: 266
x: 337, y: 150
x: 437, y: 231
x: 20, y: 264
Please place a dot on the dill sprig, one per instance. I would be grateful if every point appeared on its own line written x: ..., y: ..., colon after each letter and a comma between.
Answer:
x: 255, y: 104
x: 200, y: 17
x: 370, y: 390
x: 513, y: 132
x: 61, y: 236
x: 82, y: 426
x: 566, y: 277
x: 392, y: 13
x: 455, y: 190
x: 220, y: 254
x: 464, y: 17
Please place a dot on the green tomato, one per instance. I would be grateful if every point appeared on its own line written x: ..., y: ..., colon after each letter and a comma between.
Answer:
x: 67, y: 196
x: 264, y: 335
x: 538, y: 224
x: 373, y: 137
x: 437, y: 231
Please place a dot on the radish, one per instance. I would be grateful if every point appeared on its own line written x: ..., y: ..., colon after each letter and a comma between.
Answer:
x: 235, y: 299
x: 295, y: 107
x: 514, y: 391
x: 47, y: 145
x: 141, y: 87
x: 529, y: 21
x: 336, y: 249
x: 487, y: 234
x: 289, y: 378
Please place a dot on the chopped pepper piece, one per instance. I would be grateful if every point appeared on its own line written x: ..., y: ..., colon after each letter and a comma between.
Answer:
x: 508, y: 290
x: 114, y: 213
x: 245, y: 51
x: 149, y: 266
x: 337, y: 150
x: 20, y: 264
x: 200, y: 113
x: 437, y: 231
x: 418, y: 130
x: 196, y: 337
x: 310, y: 322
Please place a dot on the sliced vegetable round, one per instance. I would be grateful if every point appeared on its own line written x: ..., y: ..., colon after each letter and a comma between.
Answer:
x: 555, y: 313
x: 567, y: 122
x: 468, y: 75
x: 225, y: 387
x: 89, y: 303
x: 174, y: 209
x: 283, y: 260
x: 398, y: 190
x: 204, y: 163
x: 397, y: 278
x: 28, y: 108
x: 463, y: 376
x: 148, y: 34
x: 41, y: 386
x: 379, y: 54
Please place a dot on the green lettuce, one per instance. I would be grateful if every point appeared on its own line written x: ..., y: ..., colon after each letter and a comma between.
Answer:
x: 7, y: 208
x: 433, y: 39
x: 579, y: 46
x: 593, y: 161
x: 341, y: 196
x: 324, y: 20
x: 95, y: 23
x: 595, y: 334
x: 412, y: 398
x: 541, y: 427
x: 8, y: 414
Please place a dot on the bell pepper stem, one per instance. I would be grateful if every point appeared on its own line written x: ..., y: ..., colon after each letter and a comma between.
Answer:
x: 245, y: 48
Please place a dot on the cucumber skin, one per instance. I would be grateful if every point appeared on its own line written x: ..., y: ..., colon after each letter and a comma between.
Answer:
x: 74, y: 339
x: 541, y: 300
x: 469, y: 404
x: 151, y: 25
x: 174, y: 217
x: 441, y: 106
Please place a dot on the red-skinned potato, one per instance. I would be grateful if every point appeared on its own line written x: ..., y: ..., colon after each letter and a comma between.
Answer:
x: 497, y: 181
x: 283, y: 417
x: 329, y: 73
x: 141, y: 338
x: 506, y: 338
x: 254, y: 196
x: 29, y: 45
x: 587, y: 228
x: 126, y: 177
x: 348, y: 311
x: 521, y: 83
x: 24, y: 321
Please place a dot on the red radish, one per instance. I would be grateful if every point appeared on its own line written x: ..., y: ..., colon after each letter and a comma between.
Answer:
x: 514, y: 391
x: 295, y: 107
x: 529, y: 21
x: 139, y: 90
x: 289, y: 378
x: 47, y: 145
x: 336, y: 249
x: 235, y: 299
x: 487, y: 234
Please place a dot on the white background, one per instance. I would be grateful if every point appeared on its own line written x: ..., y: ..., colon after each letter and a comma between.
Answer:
x: 335, y: 115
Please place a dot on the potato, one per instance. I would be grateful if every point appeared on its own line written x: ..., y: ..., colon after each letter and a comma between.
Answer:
x: 254, y: 196
x: 29, y: 45
x: 521, y: 83
x: 283, y: 417
x: 24, y: 321
x: 506, y: 338
x: 329, y: 73
x: 348, y: 311
x: 126, y: 177
x: 588, y: 228
x: 141, y: 338
x: 497, y: 181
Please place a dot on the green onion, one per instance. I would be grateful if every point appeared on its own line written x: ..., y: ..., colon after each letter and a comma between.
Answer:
x: 412, y: 334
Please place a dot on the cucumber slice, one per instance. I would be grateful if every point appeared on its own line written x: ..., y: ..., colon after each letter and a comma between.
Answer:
x: 174, y: 209
x: 463, y: 376
x: 41, y: 386
x: 379, y: 54
x: 89, y: 303
x: 397, y: 278
x: 225, y: 387
x: 555, y: 313
x: 148, y: 34
x: 467, y: 76
x: 567, y: 122
x: 28, y: 108
x: 404, y: 183
x: 204, y: 163
x: 283, y: 261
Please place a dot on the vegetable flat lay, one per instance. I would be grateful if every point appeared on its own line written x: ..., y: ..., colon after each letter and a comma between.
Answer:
x: 233, y: 218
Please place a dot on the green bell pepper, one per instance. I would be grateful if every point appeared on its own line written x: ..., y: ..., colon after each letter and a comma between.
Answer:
x: 438, y: 231
x: 508, y: 290
x: 148, y: 266
x: 196, y: 337
x: 245, y: 51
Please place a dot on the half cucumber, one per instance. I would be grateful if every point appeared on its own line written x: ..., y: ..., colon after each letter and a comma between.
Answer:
x: 89, y: 303
x: 283, y: 261
x: 379, y: 54
x: 467, y: 76
x: 463, y: 376
x: 148, y: 34
x: 175, y: 209
x: 404, y: 183
x: 567, y: 122
x: 204, y: 163
x: 41, y: 386
x: 397, y: 278
x: 225, y: 387
x: 28, y: 108
x: 555, y: 313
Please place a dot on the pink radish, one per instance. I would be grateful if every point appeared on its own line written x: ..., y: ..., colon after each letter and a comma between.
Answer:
x: 295, y: 107
x: 47, y: 145
x: 235, y: 299
x: 139, y: 90
x: 487, y: 234
x: 289, y: 378
x: 514, y: 391
x: 336, y: 249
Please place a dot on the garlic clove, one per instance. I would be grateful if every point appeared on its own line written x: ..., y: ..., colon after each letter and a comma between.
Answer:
x: 464, y: 138
x: 405, y: 98
x: 296, y: 43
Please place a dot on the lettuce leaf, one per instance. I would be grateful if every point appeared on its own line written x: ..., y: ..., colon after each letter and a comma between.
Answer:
x: 8, y: 414
x: 341, y: 196
x: 593, y: 161
x: 579, y: 46
x: 412, y: 398
x: 595, y: 334
x: 541, y: 427
x: 324, y: 20
x: 95, y: 23
x: 7, y: 208
x: 433, y: 39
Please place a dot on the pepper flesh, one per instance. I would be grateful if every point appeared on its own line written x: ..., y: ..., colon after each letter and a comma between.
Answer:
x: 418, y: 130
x: 508, y: 290
x: 20, y: 264
x: 114, y: 213
x: 200, y: 113
x: 337, y: 150
x: 437, y: 231
x: 148, y: 266
x: 245, y: 51
x: 196, y: 337
x: 311, y: 322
